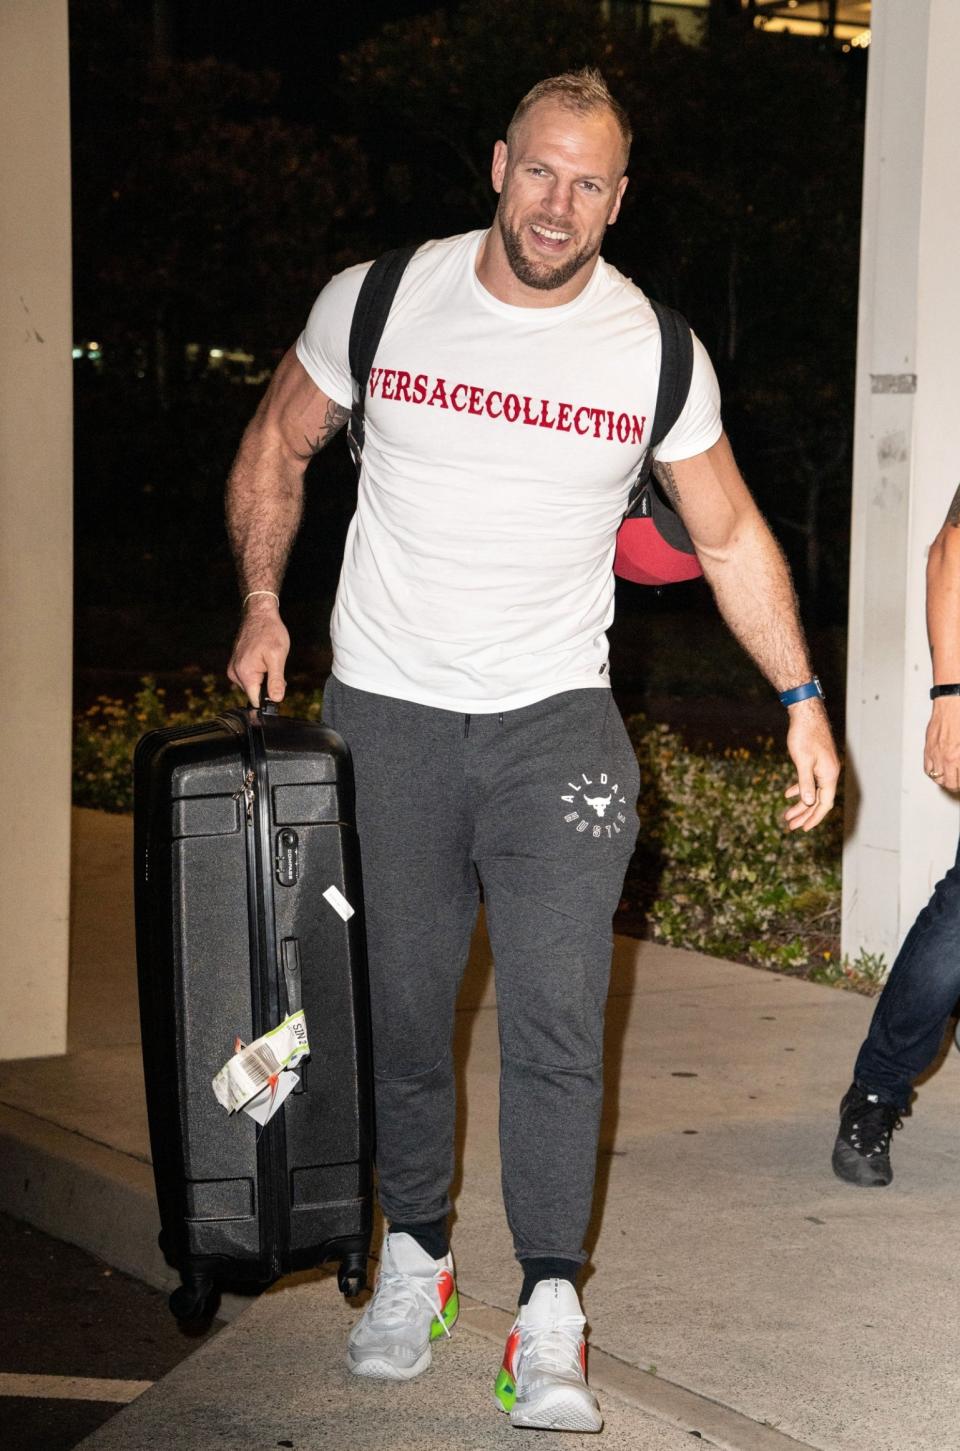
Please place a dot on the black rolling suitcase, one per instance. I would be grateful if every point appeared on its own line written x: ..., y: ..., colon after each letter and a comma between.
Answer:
x: 241, y: 825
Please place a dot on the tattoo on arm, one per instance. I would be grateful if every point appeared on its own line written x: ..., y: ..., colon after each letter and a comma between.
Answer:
x: 335, y: 418
x: 953, y: 513
x: 666, y: 478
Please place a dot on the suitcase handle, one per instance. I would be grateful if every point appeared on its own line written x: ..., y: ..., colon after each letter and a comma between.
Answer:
x: 267, y: 706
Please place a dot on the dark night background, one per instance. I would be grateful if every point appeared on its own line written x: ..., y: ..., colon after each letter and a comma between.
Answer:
x: 229, y: 156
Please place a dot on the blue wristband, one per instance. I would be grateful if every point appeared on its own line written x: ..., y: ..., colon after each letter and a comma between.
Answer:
x: 802, y: 692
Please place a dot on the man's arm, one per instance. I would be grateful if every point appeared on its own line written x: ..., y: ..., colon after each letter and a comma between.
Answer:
x: 748, y: 574
x: 941, y: 751
x: 264, y: 505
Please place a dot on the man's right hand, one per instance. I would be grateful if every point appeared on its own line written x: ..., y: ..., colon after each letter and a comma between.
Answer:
x: 260, y: 649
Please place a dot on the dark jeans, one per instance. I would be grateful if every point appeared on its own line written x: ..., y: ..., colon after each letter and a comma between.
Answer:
x: 920, y: 994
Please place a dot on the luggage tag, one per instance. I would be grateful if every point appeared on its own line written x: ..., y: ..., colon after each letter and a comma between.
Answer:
x: 262, y: 1108
x: 258, y: 1077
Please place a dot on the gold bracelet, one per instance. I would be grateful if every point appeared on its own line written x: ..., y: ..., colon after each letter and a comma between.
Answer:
x: 261, y: 592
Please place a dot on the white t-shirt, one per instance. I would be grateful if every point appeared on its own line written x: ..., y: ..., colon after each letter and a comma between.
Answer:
x: 500, y: 445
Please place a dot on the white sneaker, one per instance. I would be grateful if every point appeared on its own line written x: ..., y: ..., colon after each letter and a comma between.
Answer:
x: 543, y: 1380
x: 414, y: 1302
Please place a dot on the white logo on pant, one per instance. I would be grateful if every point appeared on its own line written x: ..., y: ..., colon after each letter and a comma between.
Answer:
x: 599, y: 805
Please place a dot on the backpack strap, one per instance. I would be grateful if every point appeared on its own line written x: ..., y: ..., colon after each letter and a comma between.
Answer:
x: 676, y: 370
x: 370, y: 314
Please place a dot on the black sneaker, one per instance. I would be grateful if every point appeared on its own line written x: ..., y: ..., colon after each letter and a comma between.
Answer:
x: 861, y: 1154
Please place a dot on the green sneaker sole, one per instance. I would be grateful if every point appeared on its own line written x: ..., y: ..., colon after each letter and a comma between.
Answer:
x: 446, y: 1320
x: 505, y: 1390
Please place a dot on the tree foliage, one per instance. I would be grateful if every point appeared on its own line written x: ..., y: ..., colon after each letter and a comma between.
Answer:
x: 198, y: 207
x: 201, y: 214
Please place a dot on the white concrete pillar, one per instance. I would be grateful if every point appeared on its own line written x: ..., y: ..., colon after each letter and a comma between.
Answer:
x: 902, y: 829
x: 36, y: 536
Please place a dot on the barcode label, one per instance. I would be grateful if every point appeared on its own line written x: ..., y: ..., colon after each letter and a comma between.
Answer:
x: 259, y: 1064
x: 257, y: 1067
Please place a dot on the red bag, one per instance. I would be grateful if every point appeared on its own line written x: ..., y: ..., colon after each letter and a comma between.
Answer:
x: 653, y: 547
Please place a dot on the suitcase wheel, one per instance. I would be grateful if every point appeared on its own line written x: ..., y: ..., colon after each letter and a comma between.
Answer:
x: 189, y: 1301
x: 352, y: 1274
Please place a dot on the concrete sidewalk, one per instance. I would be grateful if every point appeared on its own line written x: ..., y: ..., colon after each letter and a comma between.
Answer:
x: 739, y: 1291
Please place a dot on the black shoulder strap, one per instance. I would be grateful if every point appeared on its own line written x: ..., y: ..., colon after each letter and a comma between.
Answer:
x: 676, y: 370
x: 370, y: 314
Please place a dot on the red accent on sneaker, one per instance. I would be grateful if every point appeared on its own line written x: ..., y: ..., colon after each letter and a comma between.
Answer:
x: 445, y: 1287
x: 510, y: 1352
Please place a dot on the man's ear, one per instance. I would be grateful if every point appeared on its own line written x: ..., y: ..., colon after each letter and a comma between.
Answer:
x: 498, y: 166
x: 615, y: 209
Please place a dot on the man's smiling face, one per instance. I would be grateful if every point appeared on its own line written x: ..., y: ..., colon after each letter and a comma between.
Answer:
x: 560, y: 185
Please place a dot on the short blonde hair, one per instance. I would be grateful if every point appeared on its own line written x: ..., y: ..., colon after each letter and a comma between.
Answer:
x: 584, y: 90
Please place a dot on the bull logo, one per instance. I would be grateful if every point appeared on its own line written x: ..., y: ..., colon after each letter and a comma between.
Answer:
x: 576, y: 796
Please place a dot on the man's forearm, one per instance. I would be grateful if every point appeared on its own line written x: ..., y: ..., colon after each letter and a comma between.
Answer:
x: 754, y: 592
x: 751, y: 583
x: 741, y: 561
x: 264, y: 505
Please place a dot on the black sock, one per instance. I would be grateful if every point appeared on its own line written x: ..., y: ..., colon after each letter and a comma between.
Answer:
x: 431, y: 1237
x: 549, y: 1267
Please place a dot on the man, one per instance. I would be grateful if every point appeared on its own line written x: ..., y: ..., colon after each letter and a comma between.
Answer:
x: 507, y: 414
x: 924, y: 983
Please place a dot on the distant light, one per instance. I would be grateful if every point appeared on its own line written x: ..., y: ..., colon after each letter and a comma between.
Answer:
x: 798, y: 24
x: 96, y: 353
x: 93, y: 347
x: 216, y: 352
x: 78, y: 352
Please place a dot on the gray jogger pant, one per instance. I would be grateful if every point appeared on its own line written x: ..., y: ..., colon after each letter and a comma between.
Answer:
x: 540, y: 804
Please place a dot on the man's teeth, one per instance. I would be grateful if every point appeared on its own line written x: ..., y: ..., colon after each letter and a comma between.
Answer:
x: 550, y: 235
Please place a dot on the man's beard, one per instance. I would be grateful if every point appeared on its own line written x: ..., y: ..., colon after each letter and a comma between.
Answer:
x: 540, y: 274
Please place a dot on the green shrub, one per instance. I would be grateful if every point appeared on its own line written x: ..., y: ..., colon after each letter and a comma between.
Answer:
x: 105, y: 735
x: 732, y: 881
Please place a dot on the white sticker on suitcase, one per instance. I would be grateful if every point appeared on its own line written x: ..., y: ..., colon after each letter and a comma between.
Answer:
x: 258, y: 1076
x: 338, y: 902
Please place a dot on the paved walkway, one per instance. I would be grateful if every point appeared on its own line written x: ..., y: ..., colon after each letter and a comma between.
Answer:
x: 739, y: 1291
